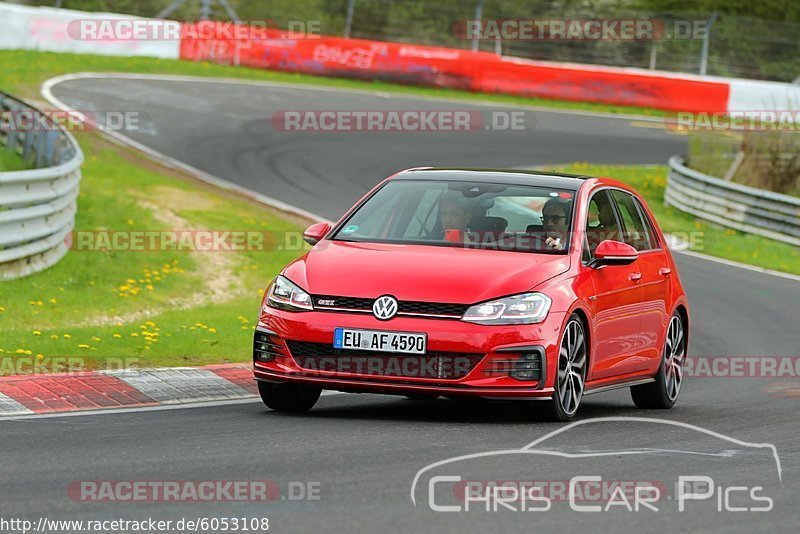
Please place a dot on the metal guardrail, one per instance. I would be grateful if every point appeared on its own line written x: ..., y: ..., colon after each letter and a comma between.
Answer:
x: 37, y: 206
x: 743, y: 208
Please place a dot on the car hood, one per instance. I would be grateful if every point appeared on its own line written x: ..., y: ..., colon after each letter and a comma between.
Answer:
x: 421, y: 272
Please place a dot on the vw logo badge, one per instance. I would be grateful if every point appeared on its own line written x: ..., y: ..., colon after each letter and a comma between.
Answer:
x: 385, y: 307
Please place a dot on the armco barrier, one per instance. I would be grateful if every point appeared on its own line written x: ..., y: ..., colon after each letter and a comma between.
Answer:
x: 733, y: 205
x: 37, y: 206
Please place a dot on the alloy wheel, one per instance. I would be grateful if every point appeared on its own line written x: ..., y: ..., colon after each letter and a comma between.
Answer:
x: 571, y: 367
x: 674, y: 357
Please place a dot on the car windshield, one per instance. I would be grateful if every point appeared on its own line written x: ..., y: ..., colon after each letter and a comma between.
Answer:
x: 470, y: 214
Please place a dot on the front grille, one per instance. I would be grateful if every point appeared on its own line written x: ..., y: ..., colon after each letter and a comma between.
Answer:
x: 431, y: 308
x: 435, y: 364
x: 404, y: 307
x: 353, y: 303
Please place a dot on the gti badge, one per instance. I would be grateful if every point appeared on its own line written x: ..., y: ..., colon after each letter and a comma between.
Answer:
x: 385, y: 307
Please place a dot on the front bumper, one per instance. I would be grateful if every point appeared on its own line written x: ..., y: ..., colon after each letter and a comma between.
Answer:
x: 496, y: 348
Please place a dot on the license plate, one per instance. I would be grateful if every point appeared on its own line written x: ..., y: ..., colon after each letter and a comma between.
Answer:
x: 380, y: 341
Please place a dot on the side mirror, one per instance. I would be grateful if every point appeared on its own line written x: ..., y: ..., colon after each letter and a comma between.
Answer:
x: 614, y: 253
x: 315, y: 233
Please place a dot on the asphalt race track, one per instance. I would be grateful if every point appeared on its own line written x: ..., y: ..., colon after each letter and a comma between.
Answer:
x: 365, y: 450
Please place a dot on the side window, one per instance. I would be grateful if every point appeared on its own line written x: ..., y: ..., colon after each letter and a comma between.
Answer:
x: 634, y: 232
x: 601, y: 223
x: 652, y: 238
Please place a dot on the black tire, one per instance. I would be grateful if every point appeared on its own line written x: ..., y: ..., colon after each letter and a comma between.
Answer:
x: 554, y: 409
x: 468, y: 400
x: 288, y: 397
x: 663, y: 393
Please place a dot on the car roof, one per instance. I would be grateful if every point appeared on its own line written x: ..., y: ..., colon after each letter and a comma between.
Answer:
x: 555, y: 180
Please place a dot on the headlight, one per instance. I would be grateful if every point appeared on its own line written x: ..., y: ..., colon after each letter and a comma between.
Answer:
x: 527, y: 308
x: 285, y: 295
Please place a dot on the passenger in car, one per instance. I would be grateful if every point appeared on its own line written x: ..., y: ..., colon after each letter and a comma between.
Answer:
x: 606, y: 229
x: 555, y: 216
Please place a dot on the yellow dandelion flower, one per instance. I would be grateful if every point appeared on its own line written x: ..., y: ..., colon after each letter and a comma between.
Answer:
x: 37, y: 333
x: 83, y: 346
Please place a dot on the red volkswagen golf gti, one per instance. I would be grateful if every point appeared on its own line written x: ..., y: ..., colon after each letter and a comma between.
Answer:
x: 499, y: 284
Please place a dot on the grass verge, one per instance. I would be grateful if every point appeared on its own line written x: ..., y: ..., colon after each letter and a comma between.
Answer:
x: 9, y: 161
x: 149, y: 308
x: 704, y: 237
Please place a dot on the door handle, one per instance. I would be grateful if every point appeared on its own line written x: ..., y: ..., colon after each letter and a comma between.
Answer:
x: 635, y: 277
x: 665, y: 271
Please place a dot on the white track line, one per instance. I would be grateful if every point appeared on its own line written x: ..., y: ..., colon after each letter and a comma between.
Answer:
x: 172, y: 162
x: 133, y: 409
x: 329, y: 89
